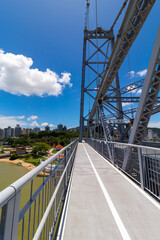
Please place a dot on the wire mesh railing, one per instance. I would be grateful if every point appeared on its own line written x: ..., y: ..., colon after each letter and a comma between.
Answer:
x: 144, y: 167
x: 31, y: 207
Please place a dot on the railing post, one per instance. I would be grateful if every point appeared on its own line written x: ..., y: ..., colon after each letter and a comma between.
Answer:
x: 65, y: 162
x: 141, y: 168
x: 113, y: 156
x: 10, y: 218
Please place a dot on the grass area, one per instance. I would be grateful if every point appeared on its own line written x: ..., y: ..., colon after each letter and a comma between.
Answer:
x: 54, y: 151
x: 19, y: 164
x: 34, y: 160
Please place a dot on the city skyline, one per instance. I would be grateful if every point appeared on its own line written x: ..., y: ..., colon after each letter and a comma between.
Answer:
x: 30, y: 121
x: 15, y: 132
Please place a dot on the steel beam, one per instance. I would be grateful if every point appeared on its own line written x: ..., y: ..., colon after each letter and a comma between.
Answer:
x: 82, y: 88
x: 135, y: 16
x: 129, y: 88
x: 106, y: 131
x: 147, y: 100
x: 122, y: 99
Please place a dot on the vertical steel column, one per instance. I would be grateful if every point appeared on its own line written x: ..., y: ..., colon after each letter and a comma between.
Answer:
x: 82, y: 87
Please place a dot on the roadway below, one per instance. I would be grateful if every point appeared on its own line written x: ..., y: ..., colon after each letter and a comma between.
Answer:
x: 104, y: 204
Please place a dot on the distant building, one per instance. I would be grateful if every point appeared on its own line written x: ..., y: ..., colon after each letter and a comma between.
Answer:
x: 12, y: 132
x: 17, y: 130
x: 8, y: 132
x: 28, y: 130
x: 1, y: 133
x: 36, y: 130
x: 47, y: 128
x: 20, y: 150
x: 64, y: 128
x: 23, y: 131
x: 155, y: 135
x: 59, y: 147
x: 150, y: 134
x: 60, y: 127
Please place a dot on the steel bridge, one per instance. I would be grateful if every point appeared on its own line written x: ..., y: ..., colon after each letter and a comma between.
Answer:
x: 107, y: 185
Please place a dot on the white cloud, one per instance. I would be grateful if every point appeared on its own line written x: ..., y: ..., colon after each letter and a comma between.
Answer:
x: 44, y: 124
x: 33, y: 117
x: 17, y: 77
x: 21, y: 117
x: 142, y: 73
x: 127, y: 104
x: 12, y: 121
x: 52, y: 125
x: 34, y: 124
x: 129, y: 88
x: 154, y: 124
x: 139, y: 91
x: 133, y: 74
x: 47, y: 124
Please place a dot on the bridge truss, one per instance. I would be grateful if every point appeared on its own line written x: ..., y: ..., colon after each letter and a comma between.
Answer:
x: 104, y: 58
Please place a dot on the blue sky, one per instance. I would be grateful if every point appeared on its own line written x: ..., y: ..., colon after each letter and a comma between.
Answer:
x: 48, y: 34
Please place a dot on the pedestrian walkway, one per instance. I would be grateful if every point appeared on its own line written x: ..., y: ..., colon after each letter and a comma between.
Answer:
x: 104, y: 204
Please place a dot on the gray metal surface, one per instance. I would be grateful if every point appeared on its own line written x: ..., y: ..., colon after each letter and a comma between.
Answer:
x: 129, y: 88
x: 106, y: 131
x: 90, y: 216
x: 148, y: 96
x: 134, y: 18
x: 89, y: 86
x: 147, y: 100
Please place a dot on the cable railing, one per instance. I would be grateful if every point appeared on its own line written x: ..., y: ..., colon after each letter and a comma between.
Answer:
x: 144, y: 168
x: 31, y: 207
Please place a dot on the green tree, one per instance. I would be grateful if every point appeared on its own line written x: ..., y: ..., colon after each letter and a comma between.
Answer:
x: 13, y: 156
x: 40, y: 148
x: 33, y: 135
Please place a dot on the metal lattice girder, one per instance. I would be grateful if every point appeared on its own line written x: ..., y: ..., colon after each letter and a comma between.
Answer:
x: 156, y: 109
x: 148, y: 96
x: 121, y: 99
x: 135, y: 16
x: 89, y: 61
x: 99, y: 33
x: 129, y: 88
x: 147, y: 100
x: 106, y: 130
x: 125, y: 99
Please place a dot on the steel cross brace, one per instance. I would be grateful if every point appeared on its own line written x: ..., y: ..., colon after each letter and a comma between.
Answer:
x: 106, y: 130
x: 134, y: 19
x: 147, y: 100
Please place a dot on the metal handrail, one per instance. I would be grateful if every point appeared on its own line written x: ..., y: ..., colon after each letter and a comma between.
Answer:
x: 129, y: 145
x: 144, y: 168
x: 49, y: 195
x: 8, y: 192
x: 43, y: 220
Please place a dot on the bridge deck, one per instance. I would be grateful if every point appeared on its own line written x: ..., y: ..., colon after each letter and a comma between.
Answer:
x: 105, y: 204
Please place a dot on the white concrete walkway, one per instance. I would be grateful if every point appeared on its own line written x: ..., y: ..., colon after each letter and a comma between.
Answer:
x: 105, y: 204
